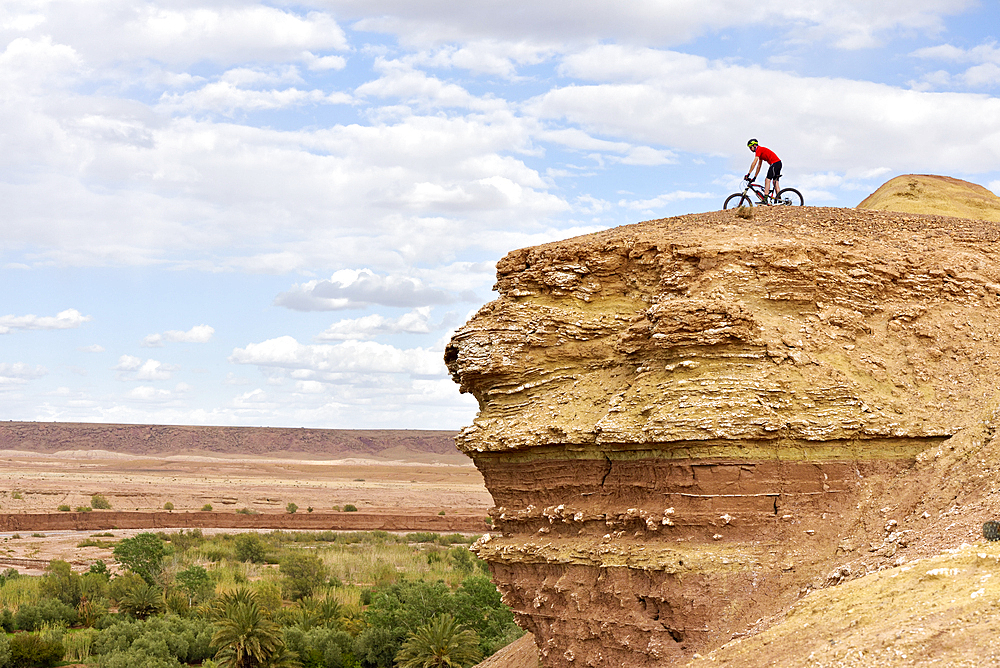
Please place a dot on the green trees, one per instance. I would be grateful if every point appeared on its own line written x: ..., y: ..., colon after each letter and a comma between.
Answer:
x: 60, y: 582
x: 303, y: 574
x: 100, y: 502
x: 250, y: 547
x: 245, y: 635
x: 142, y: 601
x: 442, y: 643
x: 196, y: 583
x: 143, y: 555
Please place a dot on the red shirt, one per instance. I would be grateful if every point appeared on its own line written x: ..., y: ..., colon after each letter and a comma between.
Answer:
x: 767, y: 155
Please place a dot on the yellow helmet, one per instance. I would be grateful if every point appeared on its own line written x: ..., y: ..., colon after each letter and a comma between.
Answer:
x: 752, y: 144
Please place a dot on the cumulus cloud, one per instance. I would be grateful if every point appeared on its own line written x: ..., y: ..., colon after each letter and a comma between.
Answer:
x: 848, y: 24
x: 351, y: 289
x: 197, y: 334
x: 416, y: 321
x: 133, y: 368
x: 698, y: 105
x: 116, y: 31
x: 663, y: 199
x: 348, y: 357
x: 68, y: 319
x: 19, y: 373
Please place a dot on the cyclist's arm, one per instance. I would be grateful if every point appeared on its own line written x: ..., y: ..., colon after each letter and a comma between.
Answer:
x: 756, y: 163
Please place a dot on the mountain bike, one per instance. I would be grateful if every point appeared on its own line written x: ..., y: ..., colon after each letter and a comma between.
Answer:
x: 786, y: 197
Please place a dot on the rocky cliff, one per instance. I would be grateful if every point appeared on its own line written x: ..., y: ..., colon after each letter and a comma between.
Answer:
x: 686, y: 424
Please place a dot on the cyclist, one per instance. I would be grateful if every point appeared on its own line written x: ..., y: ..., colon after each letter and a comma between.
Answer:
x: 760, y: 156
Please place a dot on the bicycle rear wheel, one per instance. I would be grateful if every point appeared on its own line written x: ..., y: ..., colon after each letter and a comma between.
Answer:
x: 790, y: 196
x: 737, y: 200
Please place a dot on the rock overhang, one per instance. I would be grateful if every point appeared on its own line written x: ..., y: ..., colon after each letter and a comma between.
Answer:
x: 693, y: 382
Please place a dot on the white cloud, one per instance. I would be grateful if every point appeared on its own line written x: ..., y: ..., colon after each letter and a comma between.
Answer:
x: 128, y: 363
x: 350, y: 289
x: 663, y: 199
x: 698, y: 105
x: 154, y: 370
x: 68, y: 319
x: 147, y: 393
x: 226, y: 98
x: 416, y: 321
x: 133, y: 368
x: 117, y: 31
x: 352, y: 357
x: 197, y: 334
x: 845, y: 23
x: 93, y: 348
x: 19, y: 373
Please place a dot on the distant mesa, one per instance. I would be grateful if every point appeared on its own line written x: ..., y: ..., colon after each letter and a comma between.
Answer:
x: 936, y: 195
x: 145, y: 439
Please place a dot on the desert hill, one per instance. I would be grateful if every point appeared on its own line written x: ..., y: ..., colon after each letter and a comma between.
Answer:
x: 145, y: 439
x: 941, y: 195
x: 700, y: 428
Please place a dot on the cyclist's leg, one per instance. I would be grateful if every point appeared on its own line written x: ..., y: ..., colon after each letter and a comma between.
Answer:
x: 774, y: 172
x: 767, y: 190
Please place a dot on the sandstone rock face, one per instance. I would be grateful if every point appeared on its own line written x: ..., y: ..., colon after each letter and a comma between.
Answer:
x: 678, y: 419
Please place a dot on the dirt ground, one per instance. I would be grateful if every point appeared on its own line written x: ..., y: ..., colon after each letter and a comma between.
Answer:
x: 407, y: 483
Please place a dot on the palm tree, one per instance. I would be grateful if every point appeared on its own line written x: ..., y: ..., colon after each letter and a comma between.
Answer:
x: 142, y: 600
x: 246, y: 636
x: 441, y: 643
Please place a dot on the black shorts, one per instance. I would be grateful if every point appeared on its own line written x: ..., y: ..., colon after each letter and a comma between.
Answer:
x: 774, y: 171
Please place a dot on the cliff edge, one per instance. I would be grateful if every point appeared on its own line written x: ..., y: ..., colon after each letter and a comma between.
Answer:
x: 688, y: 424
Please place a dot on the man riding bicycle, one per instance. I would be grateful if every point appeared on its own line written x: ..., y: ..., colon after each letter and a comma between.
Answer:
x: 760, y: 156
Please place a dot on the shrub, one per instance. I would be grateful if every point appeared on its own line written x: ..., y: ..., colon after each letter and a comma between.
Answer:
x: 83, y: 509
x: 63, y: 508
x: 196, y: 583
x: 30, y: 650
x: 207, y: 508
x: 100, y: 568
x: 100, y: 502
x: 249, y: 547
x: 303, y: 574
x: 441, y: 512
x: 309, y: 509
x: 16, y: 495
x: 61, y: 583
x: 156, y: 642
x: 168, y: 506
x: 48, y: 611
x: 246, y: 511
x: 291, y: 508
x: 350, y: 508
x: 7, y: 622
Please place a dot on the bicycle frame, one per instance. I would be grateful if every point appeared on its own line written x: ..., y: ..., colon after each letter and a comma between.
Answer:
x: 759, y: 190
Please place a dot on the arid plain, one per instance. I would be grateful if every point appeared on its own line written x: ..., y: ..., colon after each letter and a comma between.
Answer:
x: 400, y: 480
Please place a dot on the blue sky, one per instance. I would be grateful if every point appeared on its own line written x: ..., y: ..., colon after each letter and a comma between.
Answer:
x: 246, y: 213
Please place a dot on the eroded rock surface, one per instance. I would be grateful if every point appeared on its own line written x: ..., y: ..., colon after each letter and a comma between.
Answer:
x: 680, y: 419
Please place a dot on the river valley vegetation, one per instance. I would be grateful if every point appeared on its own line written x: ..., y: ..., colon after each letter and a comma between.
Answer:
x: 259, y: 600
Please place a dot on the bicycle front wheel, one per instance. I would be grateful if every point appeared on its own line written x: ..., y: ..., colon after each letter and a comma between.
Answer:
x: 737, y: 200
x: 790, y: 196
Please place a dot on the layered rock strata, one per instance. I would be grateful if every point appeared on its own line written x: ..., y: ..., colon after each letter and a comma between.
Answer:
x: 677, y: 418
